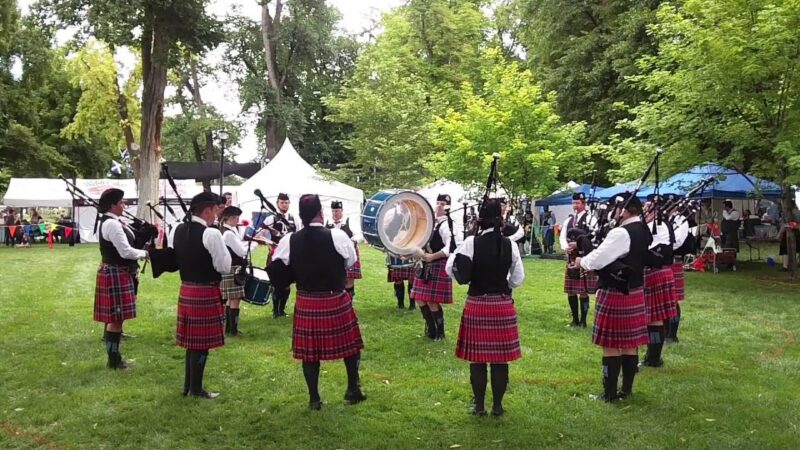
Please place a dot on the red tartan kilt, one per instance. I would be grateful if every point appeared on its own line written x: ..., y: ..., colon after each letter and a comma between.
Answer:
x: 325, y: 327
x: 114, y: 294
x: 620, y: 320
x: 397, y: 275
x: 579, y: 287
x: 438, y: 289
x: 200, y: 316
x: 489, y: 332
x: 659, y: 294
x: 354, y: 273
x: 680, y: 281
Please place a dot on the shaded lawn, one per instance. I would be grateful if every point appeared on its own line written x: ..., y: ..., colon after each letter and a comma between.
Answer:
x: 731, y: 382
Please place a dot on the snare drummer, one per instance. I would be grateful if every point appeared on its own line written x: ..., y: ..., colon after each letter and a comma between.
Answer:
x: 325, y: 324
x: 354, y: 272
x: 434, y: 288
x: 232, y: 292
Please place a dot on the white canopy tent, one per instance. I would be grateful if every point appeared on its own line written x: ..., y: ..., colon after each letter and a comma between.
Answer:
x: 289, y: 173
x: 43, y: 192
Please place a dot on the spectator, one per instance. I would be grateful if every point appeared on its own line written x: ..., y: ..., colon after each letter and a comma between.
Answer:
x: 9, y: 220
x: 548, y: 232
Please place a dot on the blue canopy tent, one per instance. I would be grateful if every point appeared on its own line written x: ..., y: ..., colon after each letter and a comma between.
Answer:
x: 565, y: 197
x: 605, y: 194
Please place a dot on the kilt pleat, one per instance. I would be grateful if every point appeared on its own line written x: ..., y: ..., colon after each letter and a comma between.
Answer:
x: 397, y: 274
x: 489, y: 332
x: 115, y: 294
x: 438, y: 289
x: 200, y: 317
x: 228, y: 287
x: 354, y: 273
x: 620, y: 320
x: 586, y: 285
x: 659, y: 294
x: 680, y: 281
x: 325, y: 327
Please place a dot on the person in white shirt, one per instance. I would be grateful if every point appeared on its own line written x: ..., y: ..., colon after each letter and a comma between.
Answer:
x: 432, y: 286
x: 340, y: 223
x: 489, y: 332
x: 118, y: 275
x: 729, y: 228
x: 578, y: 285
x: 278, y: 226
x: 232, y: 292
x: 325, y: 326
x: 202, y: 259
x: 620, y: 322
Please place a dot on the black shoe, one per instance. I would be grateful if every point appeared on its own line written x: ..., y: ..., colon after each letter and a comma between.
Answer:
x: 117, y: 363
x: 205, y: 394
x: 622, y: 395
x: 574, y: 325
x: 498, y: 411
x: 583, y: 324
x: 315, y: 406
x: 604, y: 398
x: 185, y: 391
x: 478, y: 412
x: 353, y: 397
x: 648, y: 363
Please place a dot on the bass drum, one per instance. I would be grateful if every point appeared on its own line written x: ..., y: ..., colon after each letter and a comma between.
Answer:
x: 397, y: 221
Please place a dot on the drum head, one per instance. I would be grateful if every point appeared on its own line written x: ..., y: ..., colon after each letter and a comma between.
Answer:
x: 405, y: 222
x: 261, y: 274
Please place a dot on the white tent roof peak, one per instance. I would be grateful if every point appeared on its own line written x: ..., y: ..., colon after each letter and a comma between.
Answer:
x: 288, y: 159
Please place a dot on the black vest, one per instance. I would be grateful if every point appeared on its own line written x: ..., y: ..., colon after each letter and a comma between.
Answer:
x: 194, y: 261
x: 109, y: 253
x: 580, y: 223
x: 236, y: 260
x: 436, y: 243
x: 490, y: 270
x: 282, y: 228
x: 640, y: 239
x: 345, y: 227
x: 315, y: 263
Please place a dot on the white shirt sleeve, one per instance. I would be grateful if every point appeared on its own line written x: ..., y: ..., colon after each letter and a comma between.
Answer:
x: 282, y: 250
x: 444, y: 233
x: 344, y: 246
x: 234, y: 242
x: 220, y: 257
x: 681, y: 232
x: 517, y: 234
x: 733, y: 215
x: 616, y: 245
x: 562, y: 236
x: 516, y: 273
x: 467, y: 248
x: 112, y: 231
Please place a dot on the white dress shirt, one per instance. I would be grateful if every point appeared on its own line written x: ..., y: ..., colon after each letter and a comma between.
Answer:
x: 114, y: 231
x: 212, y: 241
x: 616, y: 245
x: 562, y: 238
x: 234, y: 242
x: 342, y: 243
x: 444, y: 233
x: 520, y: 230
x: 681, y: 232
x: 516, y: 273
x: 661, y: 236
x: 732, y: 215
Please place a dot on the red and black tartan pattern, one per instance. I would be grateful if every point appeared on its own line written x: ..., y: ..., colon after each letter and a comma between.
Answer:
x: 325, y: 327
x: 489, y: 332
x: 228, y: 287
x: 200, y: 317
x: 398, y: 274
x: 659, y: 294
x: 680, y: 281
x: 438, y: 289
x: 586, y: 285
x: 620, y: 321
x: 115, y: 294
x: 354, y: 273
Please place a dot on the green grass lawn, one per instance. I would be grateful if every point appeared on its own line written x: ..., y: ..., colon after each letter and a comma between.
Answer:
x: 732, y: 381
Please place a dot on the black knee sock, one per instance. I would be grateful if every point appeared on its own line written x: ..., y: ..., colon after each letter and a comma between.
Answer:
x: 399, y: 294
x: 234, y: 320
x: 430, y: 326
x: 438, y: 318
x: 676, y: 321
x: 227, y: 319
x: 477, y: 378
x: 195, y: 377
x: 112, y: 348
x: 351, y: 363
x: 656, y: 336
x: 573, y: 307
x: 629, y: 368
x: 311, y: 374
x: 584, y: 309
x: 499, y: 384
x: 285, y: 301
x: 276, y: 302
x: 611, y: 368
x: 411, y: 303
x: 352, y: 292
x: 187, y: 377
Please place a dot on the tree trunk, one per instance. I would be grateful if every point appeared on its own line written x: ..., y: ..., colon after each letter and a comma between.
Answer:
x: 269, y: 28
x: 194, y: 88
x: 154, y: 70
x: 787, y: 203
x: 125, y: 122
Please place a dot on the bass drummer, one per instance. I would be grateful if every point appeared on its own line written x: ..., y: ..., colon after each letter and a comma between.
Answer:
x: 432, y: 286
x: 354, y: 272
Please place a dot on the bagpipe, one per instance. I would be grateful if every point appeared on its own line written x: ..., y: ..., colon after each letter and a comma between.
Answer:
x: 164, y: 259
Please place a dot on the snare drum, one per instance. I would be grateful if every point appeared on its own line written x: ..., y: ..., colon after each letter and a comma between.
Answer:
x: 258, y: 289
x: 397, y: 221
